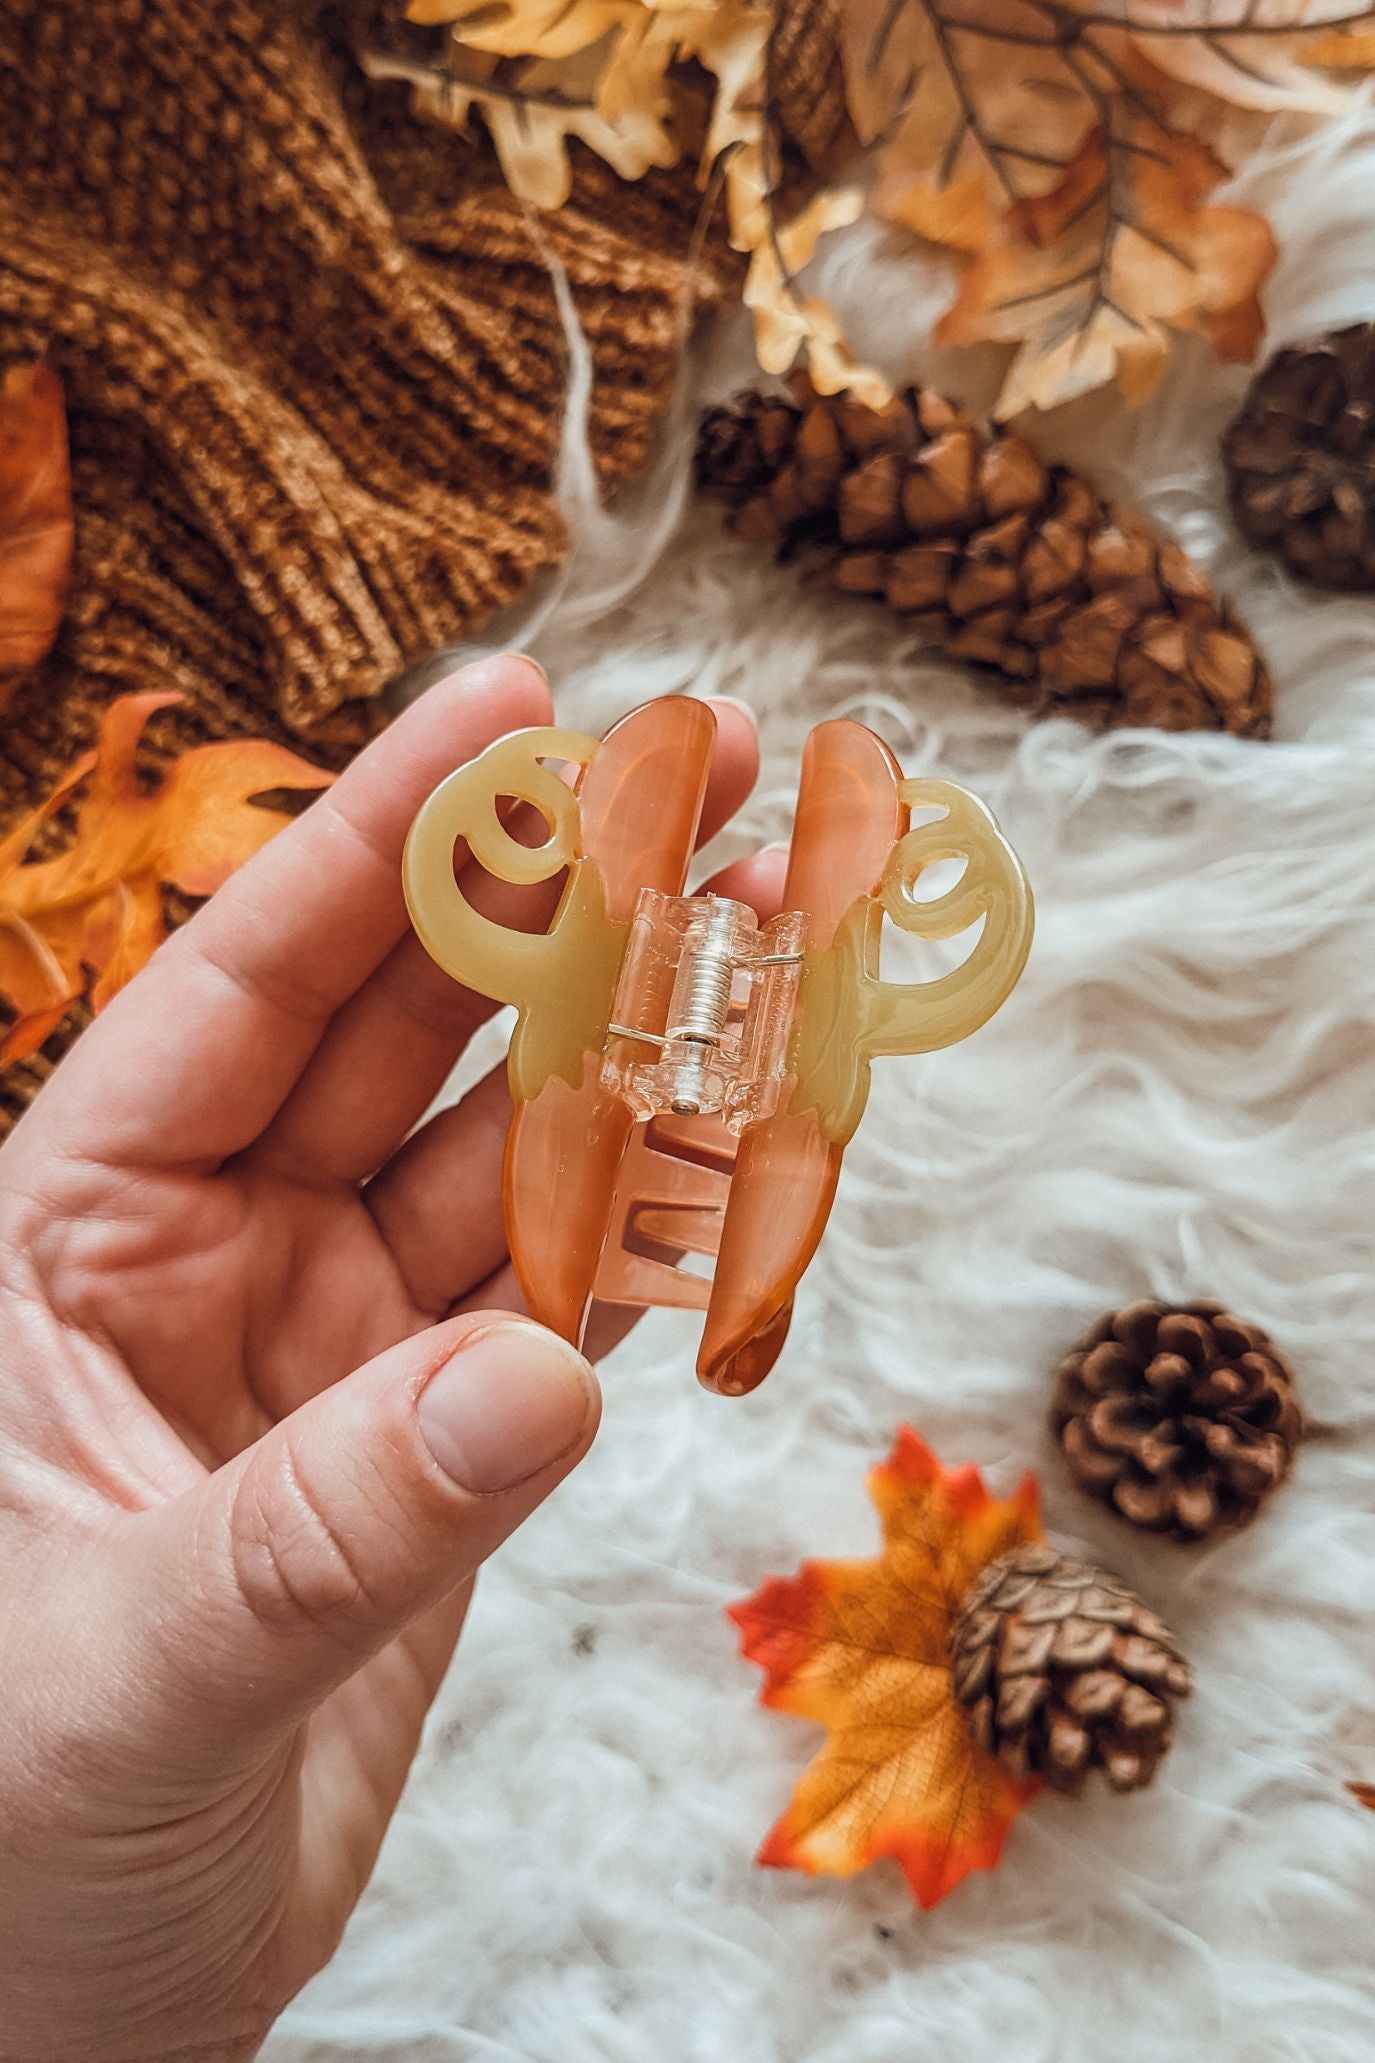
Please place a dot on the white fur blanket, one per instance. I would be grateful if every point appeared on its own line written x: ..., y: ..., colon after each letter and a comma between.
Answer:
x: 1179, y: 1100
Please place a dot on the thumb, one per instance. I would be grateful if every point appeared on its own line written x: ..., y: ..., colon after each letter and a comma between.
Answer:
x: 265, y: 1588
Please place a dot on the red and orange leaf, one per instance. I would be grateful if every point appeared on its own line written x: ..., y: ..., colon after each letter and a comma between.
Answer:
x: 35, y: 515
x: 862, y: 1648
x: 87, y: 919
x: 1364, y: 1794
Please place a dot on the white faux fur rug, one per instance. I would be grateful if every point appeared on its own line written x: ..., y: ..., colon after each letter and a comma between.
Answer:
x: 1179, y: 1100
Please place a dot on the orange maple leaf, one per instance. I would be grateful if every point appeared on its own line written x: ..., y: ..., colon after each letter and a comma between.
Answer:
x: 35, y: 516
x: 92, y: 915
x: 1364, y: 1794
x: 862, y: 1647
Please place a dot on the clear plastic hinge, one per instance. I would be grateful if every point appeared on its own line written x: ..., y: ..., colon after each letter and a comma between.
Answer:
x: 704, y: 1009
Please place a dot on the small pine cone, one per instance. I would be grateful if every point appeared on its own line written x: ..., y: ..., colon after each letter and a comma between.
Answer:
x: 1062, y: 1669
x: 1002, y: 559
x: 1183, y: 1419
x: 1301, y: 459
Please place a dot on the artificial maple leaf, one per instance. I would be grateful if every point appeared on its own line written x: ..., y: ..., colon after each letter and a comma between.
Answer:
x: 1364, y: 1794
x: 35, y: 516
x: 1053, y: 147
x: 92, y: 915
x: 1093, y: 276
x: 862, y: 1647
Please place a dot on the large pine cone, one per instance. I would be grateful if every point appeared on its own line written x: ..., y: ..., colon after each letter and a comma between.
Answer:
x: 1062, y: 1669
x: 1301, y: 459
x: 1002, y: 559
x: 1182, y: 1419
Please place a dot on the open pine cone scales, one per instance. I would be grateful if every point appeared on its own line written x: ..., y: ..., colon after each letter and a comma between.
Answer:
x: 1062, y: 1670
x: 1002, y: 559
x: 1182, y: 1419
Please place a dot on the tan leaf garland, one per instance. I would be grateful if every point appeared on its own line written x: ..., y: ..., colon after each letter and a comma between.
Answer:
x: 1066, y: 155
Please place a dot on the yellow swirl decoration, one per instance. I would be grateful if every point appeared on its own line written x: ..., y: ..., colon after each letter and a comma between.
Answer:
x: 847, y: 1015
x: 561, y: 981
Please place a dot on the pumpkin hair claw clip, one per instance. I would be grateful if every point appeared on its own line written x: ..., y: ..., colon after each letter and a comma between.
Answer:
x: 684, y: 1077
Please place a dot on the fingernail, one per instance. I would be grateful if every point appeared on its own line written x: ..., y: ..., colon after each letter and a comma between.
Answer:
x: 507, y: 1404
x: 734, y: 702
x: 528, y: 659
x: 472, y: 664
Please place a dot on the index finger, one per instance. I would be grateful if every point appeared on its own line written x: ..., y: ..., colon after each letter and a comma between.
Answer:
x: 190, y: 1061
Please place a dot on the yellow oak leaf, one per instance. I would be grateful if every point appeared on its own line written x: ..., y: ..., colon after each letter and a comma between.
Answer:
x: 528, y: 28
x: 863, y: 1649
x: 787, y: 322
x: 983, y: 119
x: 531, y: 117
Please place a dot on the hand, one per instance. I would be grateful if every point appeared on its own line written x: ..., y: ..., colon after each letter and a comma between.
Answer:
x: 262, y: 1413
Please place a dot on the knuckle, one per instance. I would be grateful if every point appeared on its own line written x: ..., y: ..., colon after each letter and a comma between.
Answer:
x: 293, y: 1564
x: 430, y: 1000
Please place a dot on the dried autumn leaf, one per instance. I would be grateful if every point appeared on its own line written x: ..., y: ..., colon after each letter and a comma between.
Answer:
x: 92, y: 915
x: 786, y: 321
x: 622, y: 77
x: 1054, y: 147
x: 1056, y: 150
x: 1093, y: 276
x: 35, y: 515
x: 531, y: 118
x: 1259, y: 55
x: 862, y: 1648
x: 1364, y: 1794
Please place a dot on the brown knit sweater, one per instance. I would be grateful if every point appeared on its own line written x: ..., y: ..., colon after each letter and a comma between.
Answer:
x: 312, y: 359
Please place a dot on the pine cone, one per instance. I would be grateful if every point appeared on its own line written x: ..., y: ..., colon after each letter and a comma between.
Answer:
x: 1003, y: 559
x: 1301, y: 459
x: 1062, y: 1670
x: 1182, y: 1419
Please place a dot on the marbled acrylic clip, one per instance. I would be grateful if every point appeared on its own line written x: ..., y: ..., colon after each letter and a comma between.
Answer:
x: 684, y: 1078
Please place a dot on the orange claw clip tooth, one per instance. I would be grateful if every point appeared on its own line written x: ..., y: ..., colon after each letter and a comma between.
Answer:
x: 685, y: 1079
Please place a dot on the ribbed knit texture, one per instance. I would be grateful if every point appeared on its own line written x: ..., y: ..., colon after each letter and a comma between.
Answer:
x: 313, y: 365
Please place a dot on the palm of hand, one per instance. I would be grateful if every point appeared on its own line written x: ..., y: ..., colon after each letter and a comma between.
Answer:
x: 292, y: 1287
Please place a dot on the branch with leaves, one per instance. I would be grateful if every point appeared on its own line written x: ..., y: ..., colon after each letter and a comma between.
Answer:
x: 1062, y: 154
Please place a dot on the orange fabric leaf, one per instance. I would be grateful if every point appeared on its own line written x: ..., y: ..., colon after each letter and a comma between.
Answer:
x: 862, y: 1648
x: 1364, y: 1794
x: 35, y: 515
x: 92, y: 916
